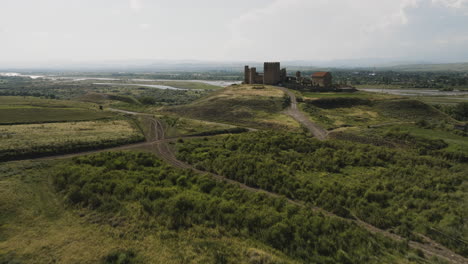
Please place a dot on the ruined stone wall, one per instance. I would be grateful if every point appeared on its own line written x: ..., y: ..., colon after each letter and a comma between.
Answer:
x: 284, y: 75
x: 254, y: 77
x: 246, y: 75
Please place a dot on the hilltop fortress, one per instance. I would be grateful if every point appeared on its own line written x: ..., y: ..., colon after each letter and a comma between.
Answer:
x: 274, y: 75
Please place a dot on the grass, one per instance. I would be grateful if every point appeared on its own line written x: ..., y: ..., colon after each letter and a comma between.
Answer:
x: 243, y: 105
x: 435, y: 99
x: 379, y: 86
x: 410, y: 110
x: 176, y: 127
x: 36, y: 227
x: 359, y: 94
x: 443, y: 99
x: 19, y: 110
x: 51, y: 137
x: 455, y: 142
x: 373, y: 112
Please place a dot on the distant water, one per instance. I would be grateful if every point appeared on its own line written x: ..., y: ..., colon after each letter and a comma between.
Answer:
x: 85, y: 78
x: 416, y: 92
x: 214, y: 83
x: 15, y: 74
x: 164, y: 87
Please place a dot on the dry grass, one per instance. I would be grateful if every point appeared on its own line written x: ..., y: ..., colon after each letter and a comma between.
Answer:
x: 50, y: 134
x: 252, y: 90
x: 255, y: 106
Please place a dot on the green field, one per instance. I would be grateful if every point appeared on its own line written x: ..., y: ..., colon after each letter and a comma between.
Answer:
x: 25, y: 110
x: 52, y: 138
x: 358, y: 112
x: 456, y: 142
x: 359, y: 94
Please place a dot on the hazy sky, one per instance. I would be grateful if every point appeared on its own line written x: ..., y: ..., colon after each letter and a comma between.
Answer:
x: 97, y: 30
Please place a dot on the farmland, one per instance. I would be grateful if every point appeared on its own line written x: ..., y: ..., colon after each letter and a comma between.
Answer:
x: 54, y: 138
x: 24, y: 110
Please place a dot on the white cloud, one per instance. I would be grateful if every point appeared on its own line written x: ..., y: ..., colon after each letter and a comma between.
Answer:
x: 41, y: 34
x: 136, y: 5
x: 462, y: 4
x: 333, y: 29
x: 145, y: 26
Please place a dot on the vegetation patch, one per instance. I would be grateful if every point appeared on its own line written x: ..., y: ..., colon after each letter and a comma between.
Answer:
x: 24, y: 141
x: 339, y: 102
x: 389, y: 188
x: 410, y: 110
x: 19, y: 110
x: 240, y: 105
x: 141, y: 189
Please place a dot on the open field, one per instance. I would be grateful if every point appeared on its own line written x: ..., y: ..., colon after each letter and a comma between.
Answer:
x: 358, y: 94
x: 23, y: 110
x: 37, y: 225
x: 337, y: 112
x: 455, y: 142
x: 450, y: 100
x: 81, y: 89
x: 176, y: 126
x: 53, y: 138
x: 245, y: 105
x: 139, y: 210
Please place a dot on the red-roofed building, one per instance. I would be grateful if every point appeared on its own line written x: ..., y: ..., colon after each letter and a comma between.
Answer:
x: 322, y: 79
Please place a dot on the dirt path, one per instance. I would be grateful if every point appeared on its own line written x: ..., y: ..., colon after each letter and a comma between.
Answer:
x: 302, y: 118
x: 158, y: 144
x: 429, y: 247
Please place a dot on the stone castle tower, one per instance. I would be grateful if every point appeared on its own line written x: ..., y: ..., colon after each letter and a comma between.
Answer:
x: 273, y: 74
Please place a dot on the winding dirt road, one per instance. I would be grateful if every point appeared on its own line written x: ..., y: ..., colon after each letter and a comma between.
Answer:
x: 430, y: 248
x: 302, y: 118
x: 158, y: 144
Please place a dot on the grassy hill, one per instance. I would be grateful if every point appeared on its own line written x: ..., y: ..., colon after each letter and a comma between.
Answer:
x: 247, y: 105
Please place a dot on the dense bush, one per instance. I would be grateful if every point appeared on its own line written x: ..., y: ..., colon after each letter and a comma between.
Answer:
x: 235, y: 130
x: 458, y: 111
x: 139, y: 187
x: 389, y: 188
x: 63, y: 148
x: 339, y: 102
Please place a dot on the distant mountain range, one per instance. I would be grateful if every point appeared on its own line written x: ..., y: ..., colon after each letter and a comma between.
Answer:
x: 228, y: 66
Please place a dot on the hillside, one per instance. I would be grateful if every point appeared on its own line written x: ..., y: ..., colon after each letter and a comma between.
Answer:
x: 246, y: 105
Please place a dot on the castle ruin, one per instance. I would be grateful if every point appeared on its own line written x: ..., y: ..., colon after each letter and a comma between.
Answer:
x: 274, y: 75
